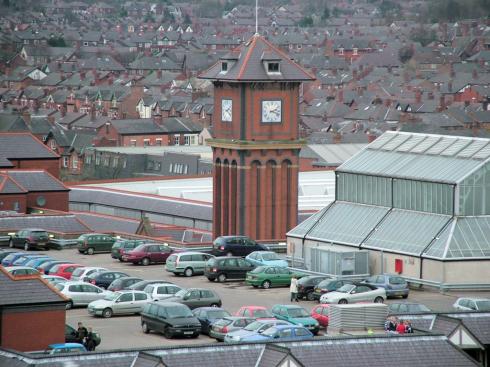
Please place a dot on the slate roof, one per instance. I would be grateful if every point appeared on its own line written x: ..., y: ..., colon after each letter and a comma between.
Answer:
x: 36, y: 180
x: 8, y: 186
x: 51, y: 223
x: 104, y: 223
x: 249, y: 65
x: 23, y: 145
x: 137, y: 126
x: 479, y: 326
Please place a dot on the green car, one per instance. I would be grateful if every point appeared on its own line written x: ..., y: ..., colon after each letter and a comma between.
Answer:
x: 296, y: 315
x: 91, y: 243
x: 271, y: 276
x: 121, y: 246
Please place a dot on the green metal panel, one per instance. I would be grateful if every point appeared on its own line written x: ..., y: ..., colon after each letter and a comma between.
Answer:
x: 347, y: 223
x: 474, y: 193
x: 301, y: 229
x: 372, y: 190
x: 423, y: 196
x: 406, y: 231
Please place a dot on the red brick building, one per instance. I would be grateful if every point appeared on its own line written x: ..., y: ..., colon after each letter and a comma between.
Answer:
x: 32, y: 313
x: 256, y: 142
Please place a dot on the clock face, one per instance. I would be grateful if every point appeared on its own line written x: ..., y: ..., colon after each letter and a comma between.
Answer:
x: 272, y: 111
x: 226, y: 110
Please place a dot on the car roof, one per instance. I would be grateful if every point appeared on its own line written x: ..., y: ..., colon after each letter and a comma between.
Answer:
x: 228, y: 257
x: 209, y: 308
x: 18, y: 267
x: 282, y: 326
x: 473, y: 299
x: 192, y: 253
x: 231, y: 237
x: 168, y: 303
x: 289, y: 306
x: 159, y: 283
x: 122, y: 291
x: 76, y: 282
x: 255, y: 307
x: 66, y: 345
x: 32, y: 229
x: 70, y: 264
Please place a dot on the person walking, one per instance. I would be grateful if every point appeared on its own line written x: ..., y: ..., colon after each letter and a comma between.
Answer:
x: 81, y: 333
x: 293, y: 289
x: 90, y: 340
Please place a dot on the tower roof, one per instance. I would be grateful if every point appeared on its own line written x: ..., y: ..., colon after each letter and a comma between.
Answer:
x: 257, y: 60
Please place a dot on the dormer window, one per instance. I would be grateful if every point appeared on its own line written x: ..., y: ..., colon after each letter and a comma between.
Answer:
x: 273, y: 67
x: 224, y: 66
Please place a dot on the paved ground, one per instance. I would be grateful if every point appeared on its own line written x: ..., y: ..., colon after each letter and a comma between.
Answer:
x: 125, y: 331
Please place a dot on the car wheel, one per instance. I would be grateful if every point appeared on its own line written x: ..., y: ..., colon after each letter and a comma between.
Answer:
x: 222, y: 278
x: 194, y: 336
x: 405, y: 296
x: 107, y: 313
x: 310, y: 296
x: 26, y: 246
x: 167, y: 333
x: 121, y: 260
x: 214, y: 305
x: 188, y: 272
x: 343, y: 301
x: 229, y: 253
x: 90, y: 251
x: 255, y: 286
x: 145, y: 261
x: 379, y: 300
x: 69, y: 305
x: 266, y: 284
x: 211, y: 279
x: 145, y: 328
x: 11, y: 243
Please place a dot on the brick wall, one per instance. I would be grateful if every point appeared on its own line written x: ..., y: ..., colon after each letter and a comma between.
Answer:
x: 8, y: 202
x: 50, y: 165
x: 54, y: 200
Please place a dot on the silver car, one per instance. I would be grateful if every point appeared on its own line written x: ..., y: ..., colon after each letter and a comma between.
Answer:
x: 21, y: 270
x: 160, y: 291
x: 80, y: 293
x: 82, y: 273
x: 119, y: 303
x: 472, y: 304
x: 352, y: 293
x: 53, y: 279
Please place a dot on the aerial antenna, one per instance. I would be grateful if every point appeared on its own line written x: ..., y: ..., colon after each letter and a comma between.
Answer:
x: 257, y: 17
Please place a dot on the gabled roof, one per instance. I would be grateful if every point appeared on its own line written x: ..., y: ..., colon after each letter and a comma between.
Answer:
x: 36, y: 180
x: 9, y: 186
x: 249, y: 65
x: 51, y: 223
x: 22, y: 146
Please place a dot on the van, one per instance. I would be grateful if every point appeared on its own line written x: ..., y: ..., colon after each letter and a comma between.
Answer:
x: 187, y: 263
x: 171, y: 319
x: 91, y: 243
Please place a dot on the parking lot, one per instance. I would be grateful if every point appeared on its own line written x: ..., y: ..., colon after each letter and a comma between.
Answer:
x: 125, y: 331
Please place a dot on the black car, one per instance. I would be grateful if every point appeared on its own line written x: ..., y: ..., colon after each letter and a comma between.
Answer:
x: 208, y: 315
x: 121, y: 246
x: 236, y: 246
x: 171, y: 319
x: 105, y: 278
x: 44, y: 268
x: 140, y: 286
x: 30, y: 238
x: 306, y: 286
x: 227, y: 267
x: 328, y: 285
x: 123, y: 283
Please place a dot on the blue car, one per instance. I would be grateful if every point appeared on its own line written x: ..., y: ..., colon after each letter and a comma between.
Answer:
x: 22, y: 260
x: 34, y: 263
x: 9, y: 260
x: 267, y: 258
x: 255, y: 328
x: 65, y: 348
x: 281, y: 333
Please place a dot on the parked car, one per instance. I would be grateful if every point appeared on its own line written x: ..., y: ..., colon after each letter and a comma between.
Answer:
x: 356, y: 292
x: 236, y: 246
x: 72, y: 337
x: 407, y: 308
x: 140, y: 286
x: 171, y: 319
x: 90, y: 243
x: 472, y: 304
x: 80, y: 293
x: 64, y: 270
x: 282, y: 333
x: 22, y: 260
x: 30, y: 238
x: 328, y: 285
x: 65, y: 348
x: 84, y: 272
x: 161, y: 291
x: 148, y: 253
x: 196, y: 297
x: 187, y: 263
x: 228, y: 324
x: 256, y: 312
x: 271, y: 276
x: 320, y: 314
x: 105, y: 278
x: 393, y: 284
x: 122, y: 283
x: 10, y: 258
x: 266, y: 258
x: 296, y: 315
x: 121, y: 246
x: 5, y: 253
x: 21, y: 270
x: 255, y: 328
x: 227, y: 267
x: 48, y: 265
x: 209, y: 315
x: 306, y: 286
x: 34, y: 263
x: 54, y: 279
x: 119, y: 303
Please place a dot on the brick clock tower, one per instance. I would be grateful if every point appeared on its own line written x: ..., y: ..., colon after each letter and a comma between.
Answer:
x: 255, y: 141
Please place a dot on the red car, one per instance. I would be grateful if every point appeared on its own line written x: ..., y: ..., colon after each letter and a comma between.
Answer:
x: 64, y: 270
x: 148, y: 253
x: 320, y: 314
x: 256, y: 312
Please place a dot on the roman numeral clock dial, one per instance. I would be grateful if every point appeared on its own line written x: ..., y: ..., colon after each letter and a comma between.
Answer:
x: 226, y: 110
x: 271, y: 111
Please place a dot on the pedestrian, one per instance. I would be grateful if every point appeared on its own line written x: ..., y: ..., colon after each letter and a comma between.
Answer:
x: 293, y: 289
x: 408, y: 327
x: 390, y: 324
x: 90, y: 340
x: 400, y: 327
x: 81, y: 333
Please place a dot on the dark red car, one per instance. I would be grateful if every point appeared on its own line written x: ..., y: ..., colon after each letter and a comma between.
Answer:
x: 148, y: 253
x: 320, y: 314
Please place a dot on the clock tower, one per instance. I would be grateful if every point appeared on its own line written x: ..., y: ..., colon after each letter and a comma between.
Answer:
x: 255, y: 141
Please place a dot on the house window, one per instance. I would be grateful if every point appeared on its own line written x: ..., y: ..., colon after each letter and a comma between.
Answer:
x: 150, y: 165
x: 187, y: 140
x: 186, y: 167
x: 158, y: 142
x: 171, y: 168
x: 97, y: 160
x: 273, y: 67
x: 124, y: 163
x: 354, y: 51
x: 74, y: 162
x: 176, y: 139
x: 115, y: 161
x: 158, y: 166
x: 341, y: 51
x: 106, y: 161
x: 52, y: 144
x: 16, y: 206
x: 146, y: 142
x: 65, y: 161
x: 224, y: 66
x: 132, y: 143
x: 88, y: 159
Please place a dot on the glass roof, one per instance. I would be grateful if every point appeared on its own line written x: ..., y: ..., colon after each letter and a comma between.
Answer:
x: 301, y: 229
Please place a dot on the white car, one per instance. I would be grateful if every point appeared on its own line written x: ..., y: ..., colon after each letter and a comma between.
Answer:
x: 472, y: 304
x: 352, y: 293
x: 82, y: 273
x: 160, y: 291
x: 80, y: 293
x: 21, y: 270
x: 119, y: 303
x: 54, y: 279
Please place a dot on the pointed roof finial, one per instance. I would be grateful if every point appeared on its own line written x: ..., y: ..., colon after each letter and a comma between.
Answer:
x: 257, y: 17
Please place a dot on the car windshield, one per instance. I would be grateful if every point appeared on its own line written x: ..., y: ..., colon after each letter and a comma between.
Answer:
x: 37, y: 234
x: 111, y: 296
x: 483, y: 305
x: 77, y: 272
x: 178, y: 312
x: 297, y: 312
x: 181, y: 293
x: 270, y: 331
x: 59, y: 286
x: 218, y: 314
x: 270, y: 256
x: 256, y: 325
x: 259, y: 269
x: 262, y: 313
x: 346, y: 288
